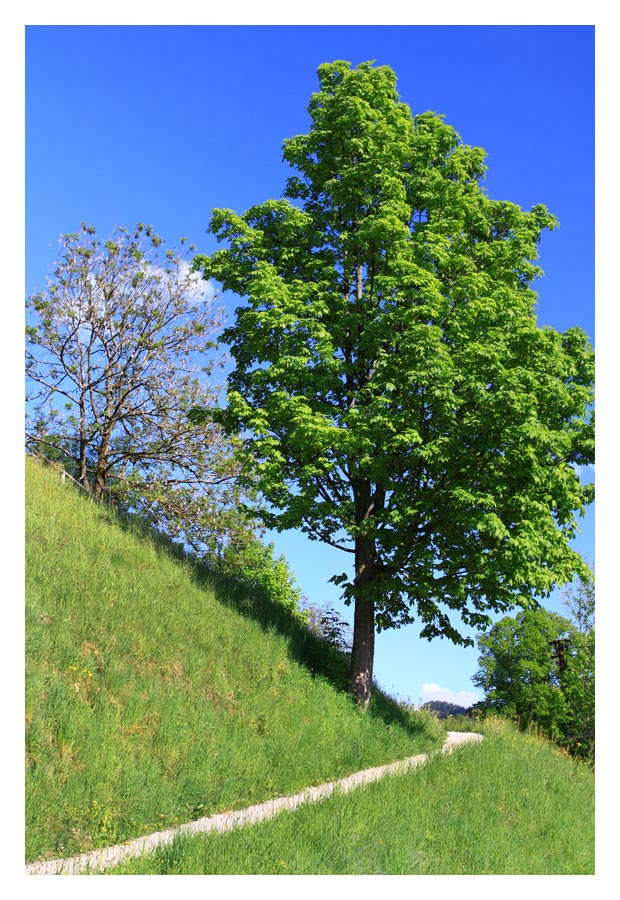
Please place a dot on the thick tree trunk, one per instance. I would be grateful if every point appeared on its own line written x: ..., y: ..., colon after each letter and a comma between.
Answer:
x: 100, y: 480
x: 363, y: 653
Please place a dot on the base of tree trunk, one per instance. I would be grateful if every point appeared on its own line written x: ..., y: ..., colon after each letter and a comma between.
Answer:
x: 363, y: 651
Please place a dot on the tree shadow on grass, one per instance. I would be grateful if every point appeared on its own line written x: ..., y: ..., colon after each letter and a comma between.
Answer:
x: 322, y: 659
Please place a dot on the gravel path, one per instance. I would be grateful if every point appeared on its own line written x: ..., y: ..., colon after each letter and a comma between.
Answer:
x: 98, y: 860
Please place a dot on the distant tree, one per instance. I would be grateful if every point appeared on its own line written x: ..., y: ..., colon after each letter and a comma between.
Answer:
x: 538, y: 669
x: 578, y: 601
x: 518, y: 672
x: 115, y: 359
x: 328, y: 624
x: 396, y: 394
x: 579, y: 690
x: 444, y: 709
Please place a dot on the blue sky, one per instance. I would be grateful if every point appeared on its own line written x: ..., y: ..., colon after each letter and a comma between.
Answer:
x: 161, y: 124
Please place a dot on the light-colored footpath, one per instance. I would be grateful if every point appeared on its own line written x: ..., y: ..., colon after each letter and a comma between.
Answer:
x: 97, y: 861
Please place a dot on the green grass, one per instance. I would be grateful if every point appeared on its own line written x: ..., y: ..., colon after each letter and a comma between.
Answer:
x: 509, y: 806
x: 156, y: 694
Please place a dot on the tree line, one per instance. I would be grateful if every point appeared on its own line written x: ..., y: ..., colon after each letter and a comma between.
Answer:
x: 392, y: 394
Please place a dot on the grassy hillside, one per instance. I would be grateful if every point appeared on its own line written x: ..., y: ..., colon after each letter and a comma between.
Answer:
x: 509, y: 806
x: 156, y: 694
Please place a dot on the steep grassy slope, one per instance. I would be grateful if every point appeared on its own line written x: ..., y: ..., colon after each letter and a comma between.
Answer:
x: 509, y: 806
x: 156, y: 695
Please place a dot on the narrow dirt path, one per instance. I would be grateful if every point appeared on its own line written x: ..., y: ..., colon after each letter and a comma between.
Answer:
x: 98, y: 860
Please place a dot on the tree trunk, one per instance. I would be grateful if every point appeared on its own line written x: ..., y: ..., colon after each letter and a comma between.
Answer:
x: 101, y: 471
x: 362, y: 655
x: 82, y: 467
x: 363, y: 652
x: 100, y: 480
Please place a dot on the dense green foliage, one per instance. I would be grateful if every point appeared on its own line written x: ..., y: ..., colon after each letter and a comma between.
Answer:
x: 538, y: 669
x: 509, y: 806
x: 251, y: 564
x: 397, y: 397
x: 158, y: 691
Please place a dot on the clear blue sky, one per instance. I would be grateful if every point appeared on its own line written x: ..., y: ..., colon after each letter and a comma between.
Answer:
x: 162, y: 123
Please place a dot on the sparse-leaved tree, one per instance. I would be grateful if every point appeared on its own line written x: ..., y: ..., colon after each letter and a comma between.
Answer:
x: 579, y: 603
x: 396, y: 394
x: 117, y: 353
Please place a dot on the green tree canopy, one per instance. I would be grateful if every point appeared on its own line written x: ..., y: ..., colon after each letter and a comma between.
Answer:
x: 518, y: 671
x: 538, y: 668
x: 398, y: 398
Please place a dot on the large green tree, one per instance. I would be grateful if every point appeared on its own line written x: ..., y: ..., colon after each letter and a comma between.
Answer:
x: 398, y: 398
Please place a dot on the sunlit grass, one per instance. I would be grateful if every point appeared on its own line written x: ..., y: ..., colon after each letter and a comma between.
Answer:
x: 151, y: 700
x: 509, y: 806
